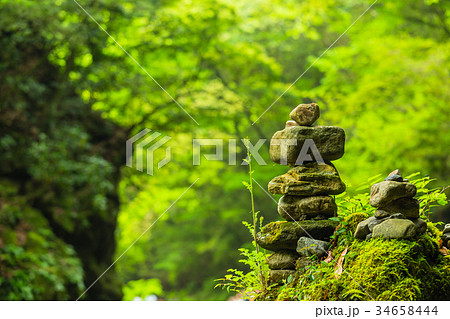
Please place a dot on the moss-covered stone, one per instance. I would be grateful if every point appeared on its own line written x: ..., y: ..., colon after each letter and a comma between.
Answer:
x: 283, y: 235
x: 308, y: 180
x: 329, y: 140
x: 292, y: 207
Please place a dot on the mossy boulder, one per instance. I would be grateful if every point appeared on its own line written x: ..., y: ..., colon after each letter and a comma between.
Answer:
x: 308, y: 180
x: 276, y: 276
x: 292, y: 207
x: 329, y: 140
x: 283, y: 235
x: 378, y: 269
x: 307, y: 247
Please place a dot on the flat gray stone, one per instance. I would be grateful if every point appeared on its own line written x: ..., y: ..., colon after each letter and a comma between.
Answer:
x: 385, y: 192
x: 329, y: 140
x: 307, y: 247
x: 395, y: 229
x: 380, y: 214
x: 292, y: 207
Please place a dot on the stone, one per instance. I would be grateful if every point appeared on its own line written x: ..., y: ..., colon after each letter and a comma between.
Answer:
x: 385, y: 192
x: 329, y: 140
x: 276, y: 276
x: 292, y: 207
x: 283, y: 235
x: 308, y: 180
x: 307, y: 247
x: 375, y: 222
x: 408, y: 207
x: 379, y: 213
x: 395, y: 229
x: 446, y: 228
x: 369, y: 236
x: 395, y: 172
x: 362, y: 229
x: 395, y: 177
x: 290, y: 124
x: 303, y: 263
x: 421, y: 225
x: 305, y: 114
x: 283, y: 259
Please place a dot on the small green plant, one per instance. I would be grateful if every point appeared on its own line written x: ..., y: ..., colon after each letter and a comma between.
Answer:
x: 255, y: 281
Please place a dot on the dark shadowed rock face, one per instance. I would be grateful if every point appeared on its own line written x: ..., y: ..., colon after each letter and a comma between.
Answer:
x: 329, y: 140
x: 283, y: 259
x: 408, y: 207
x: 279, y: 275
x: 283, y: 235
x: 292, y: 207
x: 308, y: 180
x: 385, y: 192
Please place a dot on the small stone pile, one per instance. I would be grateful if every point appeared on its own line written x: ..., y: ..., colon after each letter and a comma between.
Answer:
x: 305, y: 204
x: 397, y: 214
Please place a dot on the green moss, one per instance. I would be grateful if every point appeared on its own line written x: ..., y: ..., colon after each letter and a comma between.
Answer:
x: 353, y: 220
x: 377, y: 269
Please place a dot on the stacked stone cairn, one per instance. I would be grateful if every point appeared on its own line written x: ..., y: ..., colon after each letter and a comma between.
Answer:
x: 397, y: 214
x: 305, y: 204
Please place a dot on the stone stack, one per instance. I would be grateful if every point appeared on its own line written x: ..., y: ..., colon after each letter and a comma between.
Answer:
x: 305, y: 204
x: 397, y: 214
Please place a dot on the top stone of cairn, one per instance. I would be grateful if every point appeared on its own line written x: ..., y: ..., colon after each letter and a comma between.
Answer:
x: 305, y: 114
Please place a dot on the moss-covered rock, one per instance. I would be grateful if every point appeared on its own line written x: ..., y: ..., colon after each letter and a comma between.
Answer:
x: 377, y: 269
x: 283, y: 235
x: 292, y: 207
x: 308, y: 180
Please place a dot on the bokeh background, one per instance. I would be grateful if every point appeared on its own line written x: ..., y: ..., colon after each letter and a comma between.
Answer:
x: 70, y: 97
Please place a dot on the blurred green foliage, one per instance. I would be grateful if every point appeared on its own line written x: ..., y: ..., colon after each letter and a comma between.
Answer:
x: 385, y: 82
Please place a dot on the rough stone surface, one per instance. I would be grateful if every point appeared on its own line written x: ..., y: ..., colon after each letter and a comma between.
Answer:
x: 276, y: 276
x: 290, y: 124
x: 307, y: 247
x: 305, y: 114
x: 303, y: 262
x: 329, y: 140
x: 308, y: 180
x: 387, y: 191
x: 283, y: 235
x: 284, y: 259
x: 446, y: 228
x: 375, y: 222
x: 362, y: 229
x: 292, y: 207
x: 395, y: 177
x: 409, y: 207
x: 379, y: 213
x: 421, y: 225
x: 395, y: 229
